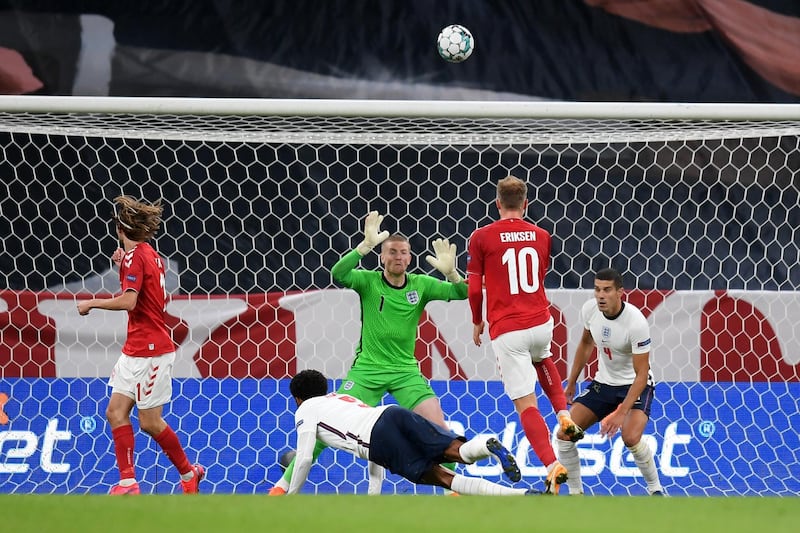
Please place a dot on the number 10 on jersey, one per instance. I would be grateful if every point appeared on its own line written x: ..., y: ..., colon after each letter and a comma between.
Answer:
x: 523, y: 267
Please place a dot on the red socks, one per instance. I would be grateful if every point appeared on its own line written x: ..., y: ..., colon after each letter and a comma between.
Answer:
x: 538, y: 435
x: 169, y: 442
x: 550, y: 380
x: 123, y: 449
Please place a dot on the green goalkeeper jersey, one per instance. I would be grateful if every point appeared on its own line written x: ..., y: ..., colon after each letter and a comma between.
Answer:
x: 390, y: 315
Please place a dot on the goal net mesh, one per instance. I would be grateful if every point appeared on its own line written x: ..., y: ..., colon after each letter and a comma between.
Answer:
x: 700, y: 216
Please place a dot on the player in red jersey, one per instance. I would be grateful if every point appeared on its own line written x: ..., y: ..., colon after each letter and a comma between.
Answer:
x: 143, y: 373
x: 510, y: 258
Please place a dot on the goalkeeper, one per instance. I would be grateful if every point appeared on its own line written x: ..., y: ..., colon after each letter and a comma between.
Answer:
x: 392, y: 302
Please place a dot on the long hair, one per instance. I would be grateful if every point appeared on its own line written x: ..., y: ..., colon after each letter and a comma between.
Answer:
x: 139, y: 221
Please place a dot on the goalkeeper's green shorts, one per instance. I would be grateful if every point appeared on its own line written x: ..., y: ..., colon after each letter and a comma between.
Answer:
x: 408, y: 387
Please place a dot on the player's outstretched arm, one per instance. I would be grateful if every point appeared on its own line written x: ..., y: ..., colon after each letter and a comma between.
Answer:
x: 124, y: 302
x: 302, y: 461
x: 282, y: 485
x: 373, y: 235
x: 445, y: 260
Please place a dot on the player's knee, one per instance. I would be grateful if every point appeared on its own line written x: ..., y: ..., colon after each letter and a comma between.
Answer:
x: 631, y: 439
x: 116, y: 416
x: 438, y: 476
x: 152, y: 426
x: 524, y: 403
x: 431, y: 409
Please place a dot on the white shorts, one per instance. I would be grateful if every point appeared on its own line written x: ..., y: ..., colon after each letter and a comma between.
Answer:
x: 146, y: 380
x: 516, y: 351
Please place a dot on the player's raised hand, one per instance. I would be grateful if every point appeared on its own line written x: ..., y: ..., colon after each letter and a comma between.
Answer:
x: 117, y: 256
x: 373, y: 235
x: 445, y: 260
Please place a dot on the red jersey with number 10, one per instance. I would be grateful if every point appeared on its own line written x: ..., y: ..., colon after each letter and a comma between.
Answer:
x: 513, y: 256
x: 142, y: 270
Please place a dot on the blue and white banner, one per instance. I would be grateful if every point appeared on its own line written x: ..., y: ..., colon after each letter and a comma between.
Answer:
x: 708, y: 439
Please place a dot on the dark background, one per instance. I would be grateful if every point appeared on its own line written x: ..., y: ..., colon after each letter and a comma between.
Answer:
x: 257, y: 217
x: 553, y: 49
x: 260, y: 217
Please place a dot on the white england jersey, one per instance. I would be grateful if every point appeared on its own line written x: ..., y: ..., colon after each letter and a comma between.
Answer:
x: 617, y: 341
x: 340, y: 421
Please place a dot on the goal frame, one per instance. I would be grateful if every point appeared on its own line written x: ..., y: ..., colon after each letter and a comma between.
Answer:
x: 692, y: 402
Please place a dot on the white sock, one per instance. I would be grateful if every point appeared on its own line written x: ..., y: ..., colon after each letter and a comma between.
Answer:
x: 376, y: 475
x: 282, y: 483
x: 569, y: 459
x: 474, y: 450
x: 476, y: 486
x: 127, y: 482
x: 643, y: 456
x: 562, y: 414
x: 188, y: 475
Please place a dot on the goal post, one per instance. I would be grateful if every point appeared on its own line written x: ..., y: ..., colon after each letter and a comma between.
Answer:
x: 698, y: 205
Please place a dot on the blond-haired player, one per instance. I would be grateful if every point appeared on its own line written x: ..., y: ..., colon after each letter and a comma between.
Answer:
x: 510, y: 258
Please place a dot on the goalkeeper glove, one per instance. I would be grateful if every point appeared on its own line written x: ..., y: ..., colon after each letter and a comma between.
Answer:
x: 445, y: 260
x: 372, y: 238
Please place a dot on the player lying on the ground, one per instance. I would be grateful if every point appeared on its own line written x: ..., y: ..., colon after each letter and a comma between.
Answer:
x: 389, y: 436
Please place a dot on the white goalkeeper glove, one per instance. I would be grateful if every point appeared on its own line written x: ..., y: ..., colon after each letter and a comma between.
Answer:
x: 445, y: 260
x: 372, y: 238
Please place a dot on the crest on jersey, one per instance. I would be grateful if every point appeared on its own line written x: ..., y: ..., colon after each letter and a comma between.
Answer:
x: 347, y: 385
x: 412, y: 297
x: 606, y: 332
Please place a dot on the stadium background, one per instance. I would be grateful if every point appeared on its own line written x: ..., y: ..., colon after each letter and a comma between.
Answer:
x: 254, y: 220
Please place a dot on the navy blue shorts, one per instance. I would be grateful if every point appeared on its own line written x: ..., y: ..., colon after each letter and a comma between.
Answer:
x: 408, y: 444
x: 603, y: 399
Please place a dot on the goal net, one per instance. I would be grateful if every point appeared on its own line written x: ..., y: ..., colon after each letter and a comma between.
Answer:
x: 697, y: 205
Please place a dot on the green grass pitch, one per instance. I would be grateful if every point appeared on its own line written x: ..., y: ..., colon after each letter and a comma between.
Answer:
x: 386, y: 514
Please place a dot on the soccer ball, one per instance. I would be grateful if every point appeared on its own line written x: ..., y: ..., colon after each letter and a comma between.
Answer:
x: 455, y: 43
